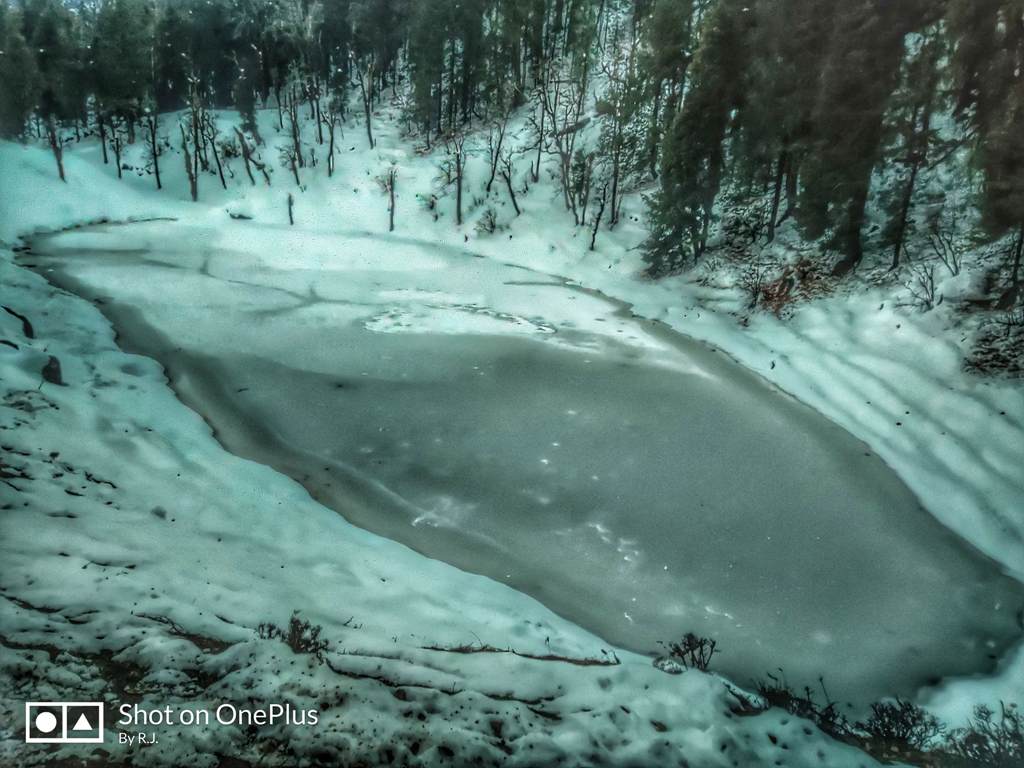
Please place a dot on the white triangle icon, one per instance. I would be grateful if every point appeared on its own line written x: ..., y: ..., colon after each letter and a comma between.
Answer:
x: 82, y: 724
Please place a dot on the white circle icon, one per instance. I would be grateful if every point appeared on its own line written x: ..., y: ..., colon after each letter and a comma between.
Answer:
x: 46, y: 722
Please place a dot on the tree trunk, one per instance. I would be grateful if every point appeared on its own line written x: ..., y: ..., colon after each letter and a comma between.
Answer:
x: 1015, y: 273
x: 616, y: 163
x: 540, y: 146
x: 367, y: 98
x: 458, y: 187
x: 154, y: 148
x: 195, y: 141
x: 330, y: 148
x: 597, y: 219
x: 848, y: 238
x: 117, y: 149
x: 319, y: 123
x: 391, y: 208
x: 216, y: 159
x: 245, y: 156
x: 58, y: 150
x: 103, y: 136
x: 190, y: 168
x: 904, y: 214
x: 495, y: 158
x: 511, y: 192
x: 777, y: 194
x: 291, y: 206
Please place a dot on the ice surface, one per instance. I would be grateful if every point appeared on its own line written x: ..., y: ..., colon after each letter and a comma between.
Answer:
x: 639, y: 484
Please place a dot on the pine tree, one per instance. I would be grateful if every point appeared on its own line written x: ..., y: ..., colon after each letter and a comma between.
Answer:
x: 991, y: 80
x: 911, y: 119
x: 860, y: 73
x: 244, y: 93
x: 669, y: 33
x: 122, y: 57
x: 336, y: 41
x: 50, y: 26
x: 18, y: 75
x: 171, y: 47
x: 621, y: 106
x: 693, y: 152
x: 428, y: 35
x: 788, y: 47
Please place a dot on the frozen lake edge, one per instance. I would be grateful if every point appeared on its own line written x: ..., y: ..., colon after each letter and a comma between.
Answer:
x: 286, y: 456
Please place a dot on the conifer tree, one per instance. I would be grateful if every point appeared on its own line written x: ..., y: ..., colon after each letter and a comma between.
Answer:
x: 859, y: 75
x: 788, y: 47
x: 693, y: 152
x: 122, y: 55
x: 171, y: 47
x: 669, y: 33
x: 988, y: 70
x: 912, y: 121
x: 18, y: 76
x: 50, y: 26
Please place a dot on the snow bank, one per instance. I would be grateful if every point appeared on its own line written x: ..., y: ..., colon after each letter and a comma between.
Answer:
x: 891, y: 376
x: 139, y: 559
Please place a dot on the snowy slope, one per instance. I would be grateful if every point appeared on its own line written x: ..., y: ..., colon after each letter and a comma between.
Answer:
x: 187, y: 551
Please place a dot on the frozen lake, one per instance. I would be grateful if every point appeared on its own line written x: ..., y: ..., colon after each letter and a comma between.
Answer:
x: 638, y: 483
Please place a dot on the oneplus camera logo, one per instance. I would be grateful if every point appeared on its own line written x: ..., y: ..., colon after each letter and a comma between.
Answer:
x: 64, y: 722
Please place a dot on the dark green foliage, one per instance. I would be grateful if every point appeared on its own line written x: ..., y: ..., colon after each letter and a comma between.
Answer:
x: 335, y: 39
x: 694, y: 152
x: 860, y: 74
x: 812, y: 111
x: 911, y: 126
x: 801, y: 102
x: 49, y: 29
x: 18, y: 76
x: 244, y: 92
x: 121, y: 56
x: 992, y: 92
x: 171, y: 63
x: 988, y: 74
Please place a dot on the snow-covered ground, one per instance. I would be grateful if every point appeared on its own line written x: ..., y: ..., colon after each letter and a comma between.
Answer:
x: 141, y: 518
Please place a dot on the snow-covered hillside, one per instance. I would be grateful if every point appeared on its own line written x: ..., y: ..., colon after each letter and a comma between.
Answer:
x: 133, y: 542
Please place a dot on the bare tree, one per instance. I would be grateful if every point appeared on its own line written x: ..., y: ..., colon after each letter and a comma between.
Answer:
x: 365, y: 81
x: 102, y: 125
x: 116, y: 143
x: 602, y: 200
x: 313, y: 93
x: 945, y: 248
x: 495, y: 140
x: 561, y: 103
x: 387, y: 183
x: 292, y: 110
x: 923, y: 291
x: 57, y: 147
x: 290, y: 160
x: 330, y: 117
x: 190, y: 169
x: 210, y: 132
x: 249, y: 160
x: 506, y: 174
x: 455, y: 145
x: 154, y: 147
x: 622, y: 99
